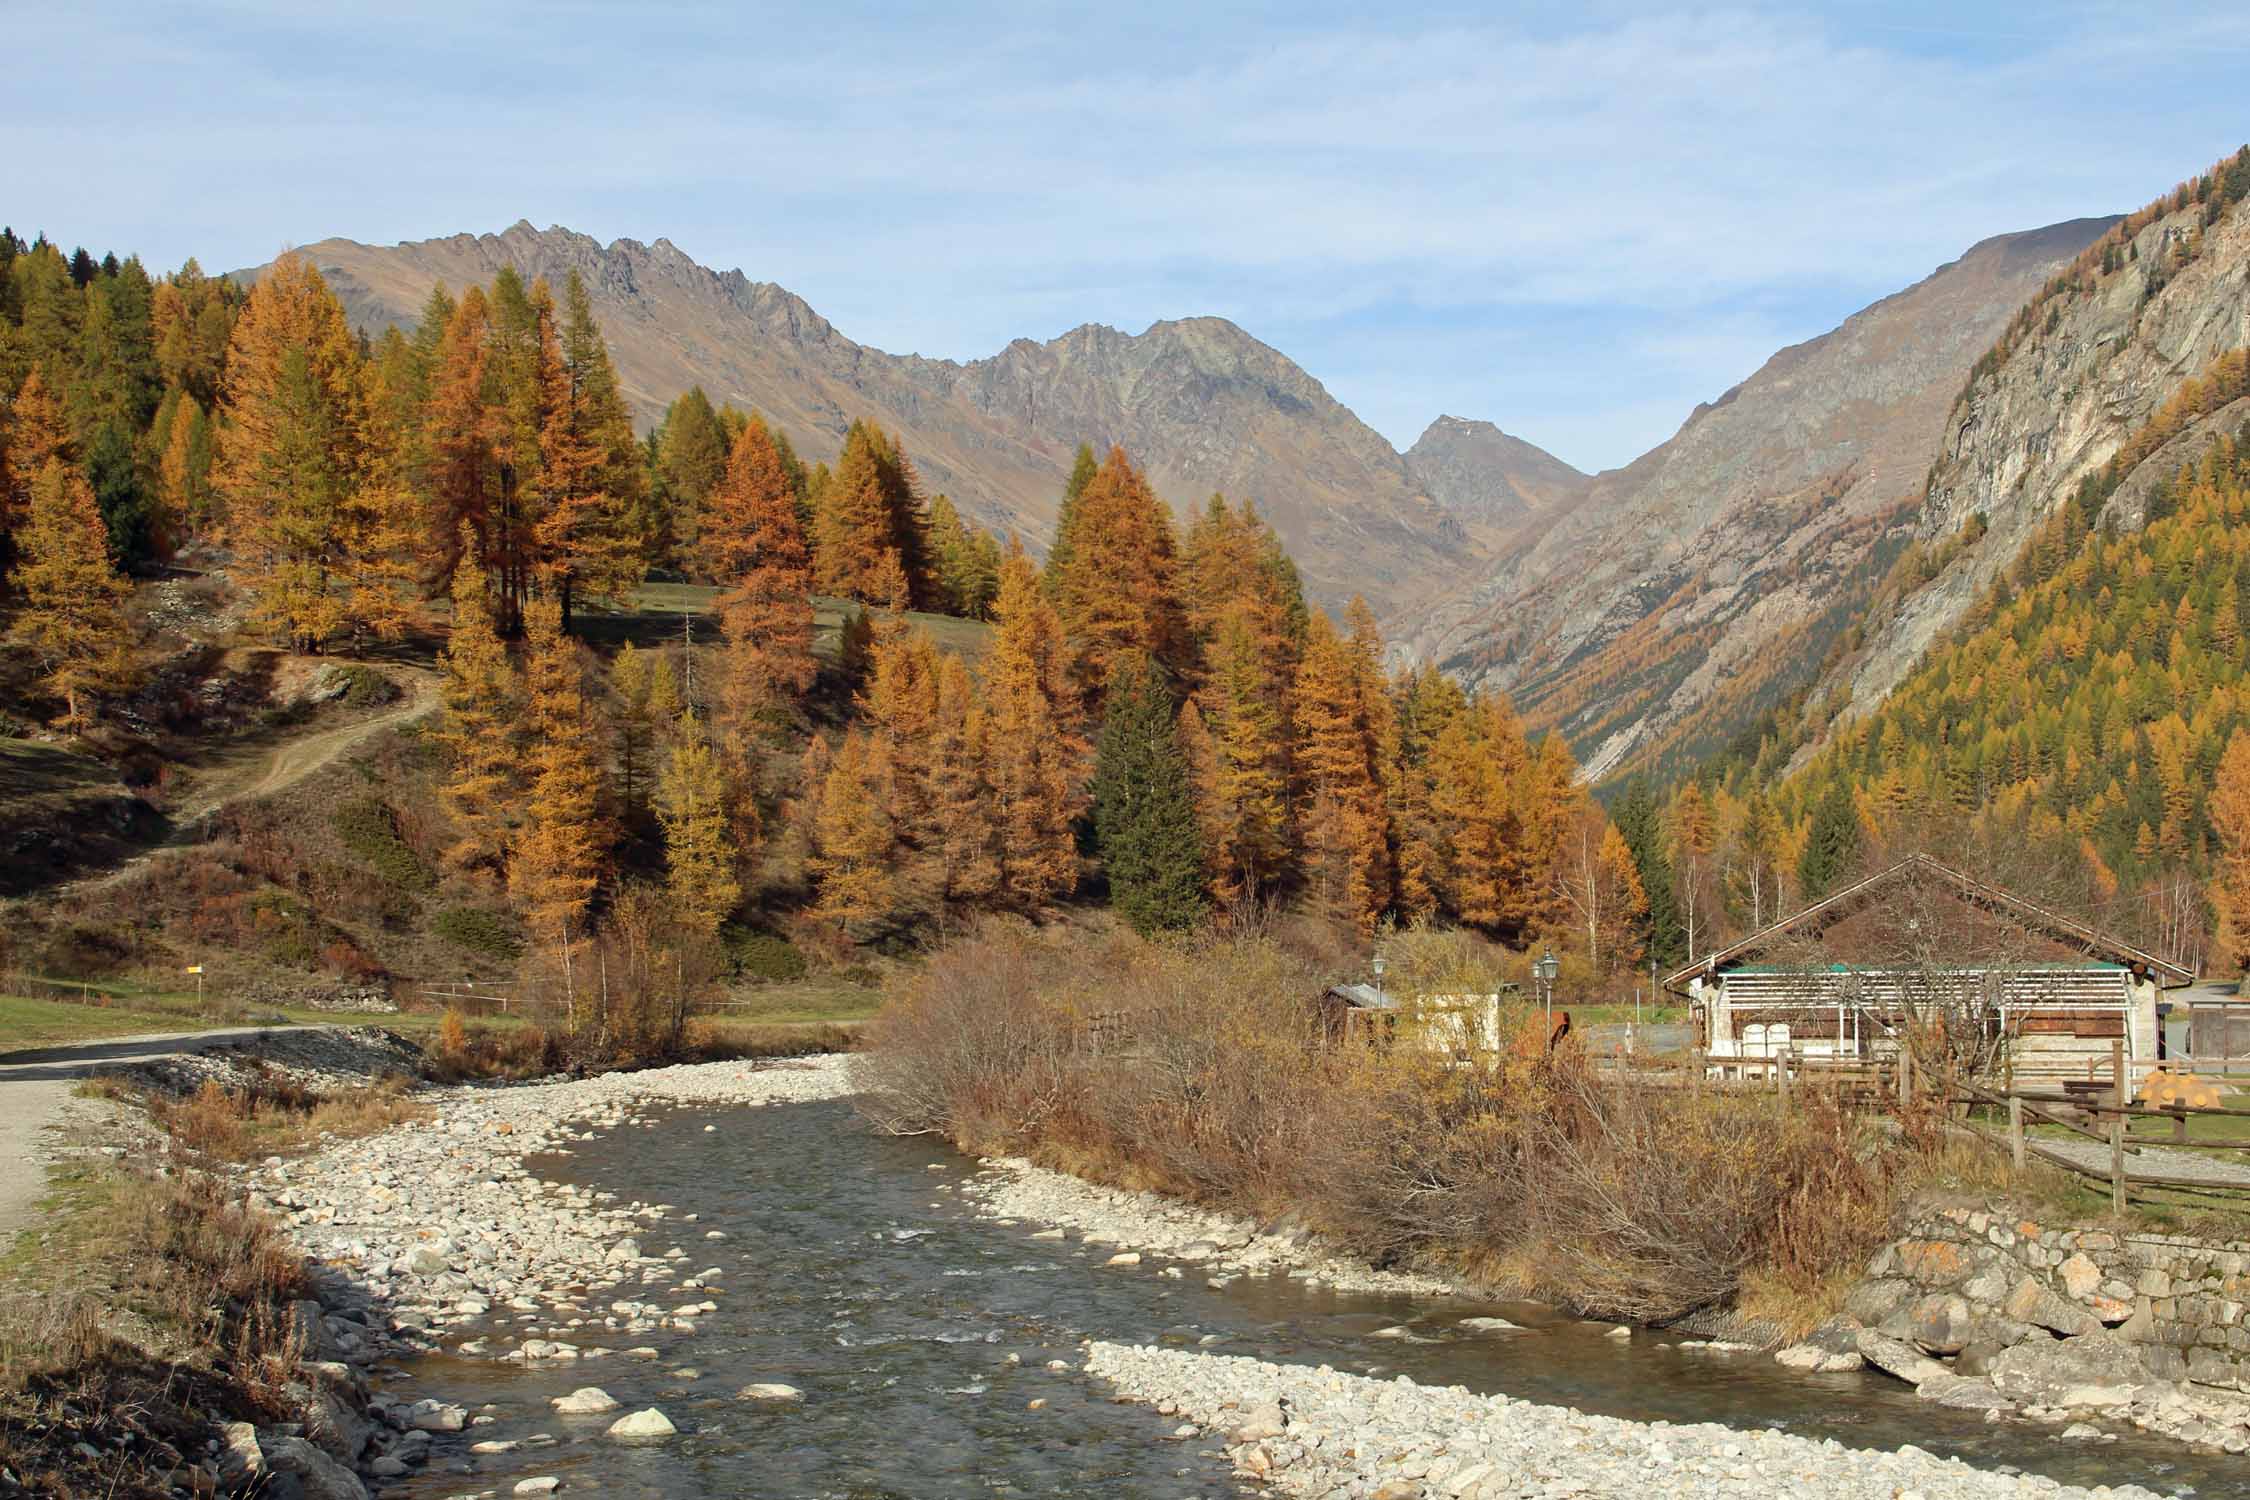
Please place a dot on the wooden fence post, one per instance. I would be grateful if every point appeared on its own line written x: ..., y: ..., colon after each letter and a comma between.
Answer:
x: 2117, y: 1163
x: 2015, y: 1130
x: 1905, y: 1070
x: 2117, y: 1071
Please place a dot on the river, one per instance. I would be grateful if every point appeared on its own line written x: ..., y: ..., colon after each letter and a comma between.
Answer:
x: 920, y: 1334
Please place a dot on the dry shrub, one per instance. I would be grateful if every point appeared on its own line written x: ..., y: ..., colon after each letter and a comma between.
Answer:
x: 1204, y: 1069
x: 452, y: 1036
x: 275, y: 1114
x: 175, y: 1316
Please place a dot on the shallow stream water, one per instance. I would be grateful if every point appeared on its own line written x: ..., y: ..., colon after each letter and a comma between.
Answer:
x: 895, y: 1308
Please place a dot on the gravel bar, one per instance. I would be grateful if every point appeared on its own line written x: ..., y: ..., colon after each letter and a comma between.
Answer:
x: 1319, y: 1432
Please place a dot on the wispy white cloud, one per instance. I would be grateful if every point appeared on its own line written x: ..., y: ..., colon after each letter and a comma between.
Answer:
x: 1576, y: 230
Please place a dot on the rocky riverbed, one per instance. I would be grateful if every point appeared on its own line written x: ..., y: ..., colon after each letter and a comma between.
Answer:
x: 438, y: 1238
x: 1145, y: 1223
x: 437, y: 1224
x: 1321, y: 1432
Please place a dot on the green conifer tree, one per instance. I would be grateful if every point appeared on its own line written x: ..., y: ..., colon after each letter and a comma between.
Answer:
x: 1144, y: 806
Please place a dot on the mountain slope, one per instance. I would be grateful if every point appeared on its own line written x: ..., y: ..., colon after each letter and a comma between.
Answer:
x: 2083, y: 372
x: 1481, y: 474
x: 1707, y: 578
x: 1198, y: 402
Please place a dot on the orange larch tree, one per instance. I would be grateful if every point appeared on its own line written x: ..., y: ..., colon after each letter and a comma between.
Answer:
x: 754, y: 546
x: 1120, y: 588
x: 559, y: 856
x: 72, y: 597
x: 1038, y: 761
x: 1344, y: 848
x: 292, y: 451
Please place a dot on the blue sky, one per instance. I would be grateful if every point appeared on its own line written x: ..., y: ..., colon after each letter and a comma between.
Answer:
x: 1574, y: 220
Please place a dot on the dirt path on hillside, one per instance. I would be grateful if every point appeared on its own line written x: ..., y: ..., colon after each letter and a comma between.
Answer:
x: 270, y: 771
x: 35, y: 1089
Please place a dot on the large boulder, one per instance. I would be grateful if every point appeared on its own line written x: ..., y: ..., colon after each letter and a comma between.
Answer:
x: 318, y: 1476
x: 1941, y: 1323
x: 642, y: 1426
x: 2093, y: 1369
x: 1873, y: 1301
x: 2034, y: 1302
x: 1893, y: 1357
x: 1964, y: 1393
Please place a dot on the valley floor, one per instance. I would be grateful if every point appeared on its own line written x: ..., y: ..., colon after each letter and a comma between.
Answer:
x: 437, y: 1226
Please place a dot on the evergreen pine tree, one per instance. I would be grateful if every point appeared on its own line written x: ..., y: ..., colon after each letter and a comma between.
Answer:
x: 1831, y: 844
x: 1643, y: 832
x: 1144, y: 808
x: 1065, y: 548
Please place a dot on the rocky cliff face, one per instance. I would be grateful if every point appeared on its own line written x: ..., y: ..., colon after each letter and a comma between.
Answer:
x: 1198, y: 402
x: 2103, y: 358
x: 1676, y: 596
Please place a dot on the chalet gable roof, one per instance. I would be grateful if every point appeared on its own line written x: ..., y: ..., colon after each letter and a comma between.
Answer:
x: 1838, y: 904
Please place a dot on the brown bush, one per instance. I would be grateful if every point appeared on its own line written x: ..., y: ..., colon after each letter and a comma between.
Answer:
x: 1204, y: 1069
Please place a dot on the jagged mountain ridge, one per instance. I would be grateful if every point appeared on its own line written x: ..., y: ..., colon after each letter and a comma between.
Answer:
x: 1683, y: 591
x: 1197, y: 401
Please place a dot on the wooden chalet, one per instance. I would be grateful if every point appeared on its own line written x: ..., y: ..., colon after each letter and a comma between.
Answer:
x: 1838, y: 980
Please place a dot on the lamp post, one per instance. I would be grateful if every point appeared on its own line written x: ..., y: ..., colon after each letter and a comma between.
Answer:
x: 1378, y: 965
x: 1545, y: 968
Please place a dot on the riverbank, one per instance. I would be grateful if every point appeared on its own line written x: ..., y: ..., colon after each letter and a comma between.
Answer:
x: 442, y: 1236
x: 1321, y: 1432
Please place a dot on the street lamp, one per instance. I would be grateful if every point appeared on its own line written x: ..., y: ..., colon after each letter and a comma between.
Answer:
x: 1545, y: 967
x: 1378, y: 981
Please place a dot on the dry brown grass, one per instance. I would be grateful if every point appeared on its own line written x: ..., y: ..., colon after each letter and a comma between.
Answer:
x: 1205, y: 1070
x: 275, y: 1115
x: 158, y: 1306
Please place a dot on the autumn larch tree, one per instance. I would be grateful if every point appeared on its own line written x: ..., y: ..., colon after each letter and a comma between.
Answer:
x: 1038, y: 756
x: 1234, y: 736
x: 72, y: 599
x: 1120, y: 589
x: 388, y: 524
x: 1341, y: 817
x: 1082, y: 471
x: 460, y: 428
x: 559, y: 855
x: 35, y: 434
x: 481, y: 728
x: 965, y: 835
x: 869, y: 528
x: 1601, y: 888
x: 851, y: 835
x: 648, y: 702
x: 587, y: 506
x: 291, y: 451
x: 2230, y: 822
x: 701, y: 880
x: 754, y: 549
x: 690, y: 454
x: 1144, y: 808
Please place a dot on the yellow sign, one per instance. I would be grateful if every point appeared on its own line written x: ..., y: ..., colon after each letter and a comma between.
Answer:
x: 195, y: 968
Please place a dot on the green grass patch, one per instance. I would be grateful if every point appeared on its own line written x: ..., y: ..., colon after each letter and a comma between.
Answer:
x: 369, y: 831
x: 480, y: 931
x: 814, y: 999
x: 27, y: 1024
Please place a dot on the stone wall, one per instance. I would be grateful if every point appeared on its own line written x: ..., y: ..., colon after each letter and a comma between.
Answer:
x: 1973, y: 1281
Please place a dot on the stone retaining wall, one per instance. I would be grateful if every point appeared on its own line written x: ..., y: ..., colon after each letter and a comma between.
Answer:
x: 1971, y: 1281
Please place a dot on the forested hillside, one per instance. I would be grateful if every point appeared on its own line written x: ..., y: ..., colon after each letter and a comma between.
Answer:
x: 781, y: 749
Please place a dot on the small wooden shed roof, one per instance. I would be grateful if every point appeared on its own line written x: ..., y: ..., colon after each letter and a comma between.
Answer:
x: 2066, y: 930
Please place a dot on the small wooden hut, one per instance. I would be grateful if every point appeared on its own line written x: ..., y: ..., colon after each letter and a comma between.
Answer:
x: 1919, y: 942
